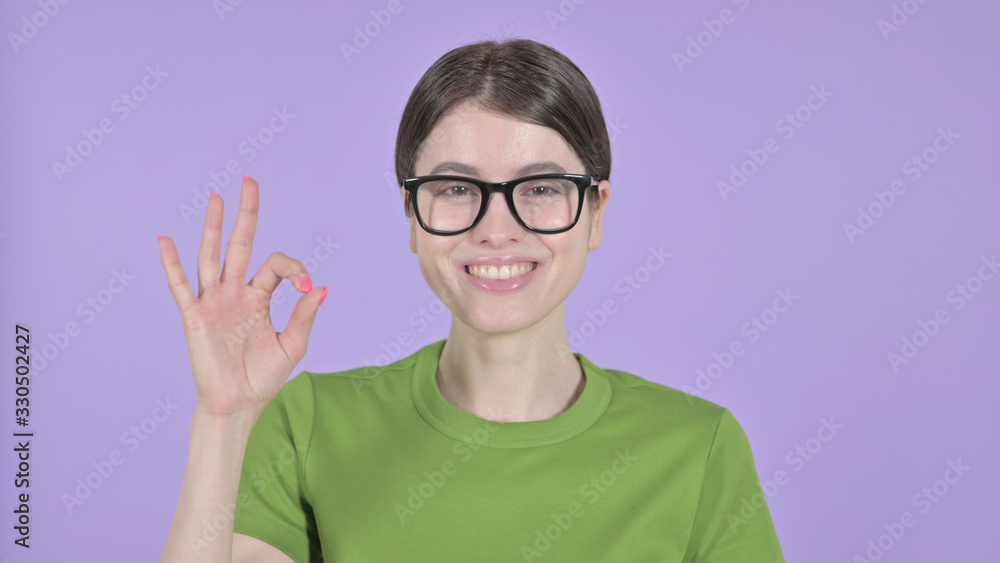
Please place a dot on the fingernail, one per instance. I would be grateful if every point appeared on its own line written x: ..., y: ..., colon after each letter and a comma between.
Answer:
x: 158, y: 237
x: 213, y: 194
x: 306, y: 283
x: 325, y: 291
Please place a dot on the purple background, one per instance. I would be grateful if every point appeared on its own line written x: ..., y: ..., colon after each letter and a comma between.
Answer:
x: 676, y: 132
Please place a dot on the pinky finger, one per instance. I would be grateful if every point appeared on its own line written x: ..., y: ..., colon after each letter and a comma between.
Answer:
x: 179, y: 286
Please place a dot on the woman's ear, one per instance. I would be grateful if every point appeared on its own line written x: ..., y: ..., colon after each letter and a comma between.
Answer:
x: 413, y: 221
x: 596, y: 222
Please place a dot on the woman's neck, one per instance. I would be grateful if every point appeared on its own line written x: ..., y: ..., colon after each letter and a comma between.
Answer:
x: 511, y: 377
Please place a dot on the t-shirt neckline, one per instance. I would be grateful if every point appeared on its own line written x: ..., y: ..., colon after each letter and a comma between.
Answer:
x: 465, y: 427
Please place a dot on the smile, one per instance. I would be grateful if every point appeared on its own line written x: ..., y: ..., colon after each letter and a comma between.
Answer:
x: 504, y: 272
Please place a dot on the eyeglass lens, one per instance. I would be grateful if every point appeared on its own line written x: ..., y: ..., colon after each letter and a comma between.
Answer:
x: 452, y: 205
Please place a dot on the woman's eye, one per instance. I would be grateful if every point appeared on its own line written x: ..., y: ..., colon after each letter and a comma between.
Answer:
x: 454, y: 190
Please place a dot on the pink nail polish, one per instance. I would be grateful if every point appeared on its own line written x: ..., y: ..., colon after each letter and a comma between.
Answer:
x: 325, y: 291
x: 213, y: 194
x: 158, y: 237
x: 306, y: 283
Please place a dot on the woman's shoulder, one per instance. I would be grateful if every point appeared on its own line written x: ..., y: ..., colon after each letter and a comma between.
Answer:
x: 353, y: 382
x: 640, y: 395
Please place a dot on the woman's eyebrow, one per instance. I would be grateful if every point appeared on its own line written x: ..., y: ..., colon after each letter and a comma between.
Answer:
x: 533, y: 168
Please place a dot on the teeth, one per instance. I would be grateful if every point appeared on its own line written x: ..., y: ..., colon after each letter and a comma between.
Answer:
x: 504, y: 272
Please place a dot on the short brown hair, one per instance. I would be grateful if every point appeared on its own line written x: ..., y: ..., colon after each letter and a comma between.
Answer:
x: 520, y: 79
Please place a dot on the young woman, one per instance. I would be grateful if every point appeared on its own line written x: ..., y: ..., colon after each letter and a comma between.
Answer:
x: 496, y: 444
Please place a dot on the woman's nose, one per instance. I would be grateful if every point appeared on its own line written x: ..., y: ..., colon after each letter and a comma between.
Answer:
x: 498, y: 220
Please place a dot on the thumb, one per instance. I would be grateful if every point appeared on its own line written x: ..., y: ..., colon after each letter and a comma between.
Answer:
x: 295, y: 337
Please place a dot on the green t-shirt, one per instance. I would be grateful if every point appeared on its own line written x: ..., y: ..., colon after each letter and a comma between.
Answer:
x: 375, y: 465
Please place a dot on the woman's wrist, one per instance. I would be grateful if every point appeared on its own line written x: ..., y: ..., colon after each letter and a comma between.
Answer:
x: 233, y: 424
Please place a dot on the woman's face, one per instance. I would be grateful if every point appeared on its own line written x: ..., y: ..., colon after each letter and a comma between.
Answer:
x: 469, y: 141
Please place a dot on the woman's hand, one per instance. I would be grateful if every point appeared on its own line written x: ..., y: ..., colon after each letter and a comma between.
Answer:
x: 238, y: 360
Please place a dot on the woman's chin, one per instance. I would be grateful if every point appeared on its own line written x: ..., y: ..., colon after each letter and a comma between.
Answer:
x: 493, y: 320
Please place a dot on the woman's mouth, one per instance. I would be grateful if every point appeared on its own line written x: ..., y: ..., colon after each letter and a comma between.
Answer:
x: 505, y: 272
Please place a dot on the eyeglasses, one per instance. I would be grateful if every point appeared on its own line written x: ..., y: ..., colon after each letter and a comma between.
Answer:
x: 544, y: 203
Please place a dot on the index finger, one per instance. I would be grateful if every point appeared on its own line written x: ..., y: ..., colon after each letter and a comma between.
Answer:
x: 241, y: 241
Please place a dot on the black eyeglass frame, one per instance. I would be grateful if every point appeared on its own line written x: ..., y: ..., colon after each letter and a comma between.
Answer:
x: 583, y: 183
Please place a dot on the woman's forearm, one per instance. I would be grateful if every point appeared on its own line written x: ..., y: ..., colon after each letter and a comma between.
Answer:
x: 202, y: 528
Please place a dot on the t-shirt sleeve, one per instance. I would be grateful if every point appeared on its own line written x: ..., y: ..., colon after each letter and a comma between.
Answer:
x: 272, y: 504
x: 732, y: 521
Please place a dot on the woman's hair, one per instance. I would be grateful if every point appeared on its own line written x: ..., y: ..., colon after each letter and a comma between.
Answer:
x: 520, y: 79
